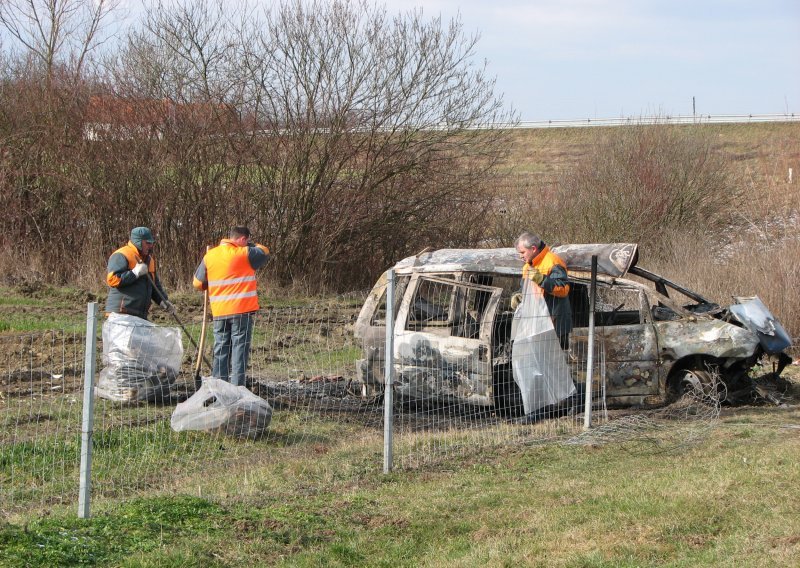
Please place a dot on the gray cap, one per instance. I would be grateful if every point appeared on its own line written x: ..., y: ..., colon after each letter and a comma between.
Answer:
x: 140, y: 234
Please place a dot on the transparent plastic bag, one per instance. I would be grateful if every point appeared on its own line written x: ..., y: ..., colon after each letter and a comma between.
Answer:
x: 142, y: 359
x: 220, y: 406
x: 538, y: 363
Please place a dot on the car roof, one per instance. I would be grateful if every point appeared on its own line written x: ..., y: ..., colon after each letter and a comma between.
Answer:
x: 613, y: 259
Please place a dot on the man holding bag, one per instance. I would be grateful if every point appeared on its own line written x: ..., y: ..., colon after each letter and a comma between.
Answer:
x: 547, y: 270
x: 540, y: 368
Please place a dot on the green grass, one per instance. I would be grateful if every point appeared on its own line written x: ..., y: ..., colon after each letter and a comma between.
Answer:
x: 20, y: 301
x: 32, y: 324
x: 311, y: 493
x: 323, y: 501
x: 133, y: 449
x: 136, y: 527
x: 42, y: 308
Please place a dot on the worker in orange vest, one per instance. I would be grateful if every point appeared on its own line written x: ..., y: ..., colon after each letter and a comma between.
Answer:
x: 132, y: 279
x: 228, y: 272
x: 547, y: 270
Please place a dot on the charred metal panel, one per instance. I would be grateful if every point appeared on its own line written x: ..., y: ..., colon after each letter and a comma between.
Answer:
x: 704, y: 336
x: 628, y: 342
x: 614, y: 259
x: 631, y: 355
x: 499, y: 260
x: 632, y: 377
x: 370, y: 306
x: 430, y: 367
x: 757, y: 318
x: 635, y: 400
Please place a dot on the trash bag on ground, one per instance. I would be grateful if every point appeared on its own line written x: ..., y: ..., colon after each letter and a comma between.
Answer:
x: 538, y: 363
x: 141, y: 359
x: 219, y: 406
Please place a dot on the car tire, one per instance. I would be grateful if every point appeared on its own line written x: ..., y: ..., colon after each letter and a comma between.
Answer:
x: 696, y: 382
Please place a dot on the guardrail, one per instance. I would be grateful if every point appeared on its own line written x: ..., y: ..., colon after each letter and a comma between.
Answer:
x: 665, y: 119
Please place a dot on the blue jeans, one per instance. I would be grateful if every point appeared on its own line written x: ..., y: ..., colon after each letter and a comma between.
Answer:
x: 232, y: 338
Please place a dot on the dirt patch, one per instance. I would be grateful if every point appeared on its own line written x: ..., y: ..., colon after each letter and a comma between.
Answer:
x: 291, y: 343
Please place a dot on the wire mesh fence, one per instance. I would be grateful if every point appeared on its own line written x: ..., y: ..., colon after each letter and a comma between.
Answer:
x: 40, y: 418
x: 456, y: 391
x: 302, y: 364
x: 473, y: 370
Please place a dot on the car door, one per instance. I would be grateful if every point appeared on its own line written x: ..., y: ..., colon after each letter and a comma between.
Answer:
x: 625, y: 339
x: 442, y: 340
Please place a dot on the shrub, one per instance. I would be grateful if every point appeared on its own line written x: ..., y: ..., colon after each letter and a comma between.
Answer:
x: 639, y: 184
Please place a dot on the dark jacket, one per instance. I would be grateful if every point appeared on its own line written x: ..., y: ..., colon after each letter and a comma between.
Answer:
x: 128, y: 294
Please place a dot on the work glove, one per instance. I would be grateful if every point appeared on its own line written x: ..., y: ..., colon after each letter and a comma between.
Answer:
x: 516, y: 300
x: 168, y: 307
x: 536, y: 276
x: 140, y: 269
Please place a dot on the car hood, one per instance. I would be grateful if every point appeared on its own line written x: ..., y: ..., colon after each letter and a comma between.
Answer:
x: 755, y: 316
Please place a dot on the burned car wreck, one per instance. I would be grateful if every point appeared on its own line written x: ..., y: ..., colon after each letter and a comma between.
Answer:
x: 653, y: 338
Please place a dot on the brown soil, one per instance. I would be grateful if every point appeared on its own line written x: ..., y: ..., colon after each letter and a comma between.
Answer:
x: 50, y: 364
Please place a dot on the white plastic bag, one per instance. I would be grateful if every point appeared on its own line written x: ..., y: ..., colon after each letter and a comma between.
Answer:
x: 142, y: 359
x: 219, y: 405
x: 538, y: 363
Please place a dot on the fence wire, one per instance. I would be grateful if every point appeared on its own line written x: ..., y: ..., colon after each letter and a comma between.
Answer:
x: 462, y: 384
x: 453, y: 398
x: 674, y: 427
x: 40, y: 418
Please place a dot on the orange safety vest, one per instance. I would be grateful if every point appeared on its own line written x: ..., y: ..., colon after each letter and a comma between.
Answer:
x: 231, y: 280
x: 544, y: 262
x: 133, y: 256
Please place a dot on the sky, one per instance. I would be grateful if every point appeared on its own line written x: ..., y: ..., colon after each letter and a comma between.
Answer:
x: 575, y: 59
x: 578, y: 59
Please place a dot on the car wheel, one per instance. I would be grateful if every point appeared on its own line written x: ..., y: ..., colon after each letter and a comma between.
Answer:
x: 699, y: 383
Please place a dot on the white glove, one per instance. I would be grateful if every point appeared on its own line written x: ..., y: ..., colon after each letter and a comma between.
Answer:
x: 516, y: 300
x: 168, y: 307
x: 140, y: 269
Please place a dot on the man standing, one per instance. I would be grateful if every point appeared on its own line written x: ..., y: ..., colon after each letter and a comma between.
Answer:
x: 228, y: 271
x: 548, y: 271
x: 132, y: 279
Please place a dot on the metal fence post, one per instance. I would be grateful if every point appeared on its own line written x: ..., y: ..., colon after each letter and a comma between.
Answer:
x: 388, y: 359
x: 587, y: 415
x: 89, y: 368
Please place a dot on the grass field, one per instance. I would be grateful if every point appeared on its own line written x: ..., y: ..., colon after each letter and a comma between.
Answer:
x: 727, y: 501
x: 763, y: 149
x: 316, y: 496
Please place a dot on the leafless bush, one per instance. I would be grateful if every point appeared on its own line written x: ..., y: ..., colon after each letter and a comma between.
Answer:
x: 639, y: 184
x: 340, y: 134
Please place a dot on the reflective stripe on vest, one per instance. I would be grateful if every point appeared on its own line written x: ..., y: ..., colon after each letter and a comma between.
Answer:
x: 233, y: 296
x: 231, y: 280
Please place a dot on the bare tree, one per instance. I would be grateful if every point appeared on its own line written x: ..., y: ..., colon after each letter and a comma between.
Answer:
x: 189, y: 44
x: 344, y: 135
x: 57, y: 31
x: 366, y: 132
